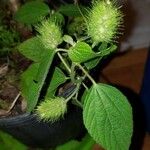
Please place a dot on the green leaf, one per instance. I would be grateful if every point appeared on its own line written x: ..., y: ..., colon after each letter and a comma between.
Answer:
x: 27, y: 79
x: 32, y: 49
x: 103, y: 50
x: 71, y: 10
x: 32, y: 12
x: 35, y: 77
x: 107, y: 116
x: 68, y: 39
x: 57, y: 79
x: 81, y: 52
x: 86, y: 144
x: 107, y: 51
x: 103, y: 46
x: 8, y: 142
x: 92, y: 63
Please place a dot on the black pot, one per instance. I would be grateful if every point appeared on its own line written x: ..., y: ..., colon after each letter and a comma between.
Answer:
x: 138, y: 117
x: 34, y: 133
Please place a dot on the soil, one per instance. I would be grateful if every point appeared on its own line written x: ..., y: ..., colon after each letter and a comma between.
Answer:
x: 11, y: 101
x: 12, y: 65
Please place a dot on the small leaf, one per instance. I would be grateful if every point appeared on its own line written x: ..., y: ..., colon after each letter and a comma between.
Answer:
x: 57, y: 79
x: 103, y: 51
x: 103, y: 46
x: 32, y: 49
x: 107, y: 51
x: 86, y: 144
x: 68, y: 39
x: 71, y: 10
x: 108, y: 117
x: 81, y: 52
x: 92, y: 63
x: 8, y: 142
x: 32, y: 12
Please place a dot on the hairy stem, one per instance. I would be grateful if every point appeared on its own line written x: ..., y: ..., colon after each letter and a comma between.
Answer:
x: 84, y: 85
x: 63, y: 61
x: 78, y: 103
x: 86, y: 73
x: 61, y: 50
x: 75, y: 91
x: 72, y: 75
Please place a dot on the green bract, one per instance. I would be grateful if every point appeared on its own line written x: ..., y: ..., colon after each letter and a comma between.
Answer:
x: 50, y: 34
x: 52, y: 109
x: 103, y: 21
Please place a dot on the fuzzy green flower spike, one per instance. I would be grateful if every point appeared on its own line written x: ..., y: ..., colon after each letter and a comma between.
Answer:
x: 104, y: 21
x: 50, y: 34
x: 52, y: 109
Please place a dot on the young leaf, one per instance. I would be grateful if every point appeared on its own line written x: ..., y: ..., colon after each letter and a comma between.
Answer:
x: 70, y: 10
x: 81, y: 52
x: 103, y: 46
x: 8, y: 142
x: 107, y: 51
x: 36, y: 81
x: 92, y: 63
x: 57, y: 79
x: 86, y: 144
x: 68, y: 39
x: 108, y: 117
x: 103, y: 51
x: 32, y: 49
x: 32, y: 12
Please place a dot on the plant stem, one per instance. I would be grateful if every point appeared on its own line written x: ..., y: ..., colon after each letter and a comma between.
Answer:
x: 86, y: 73
x: 84, y: 85
x: 94, y: 44
x: 63, y: 61
x: 75, y: 91
x: 72, y: 75
x: 61, y: 50
x: 83, y: 38
x: 84, y: 18
x: 78, y: 103
x: 14, y: 102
